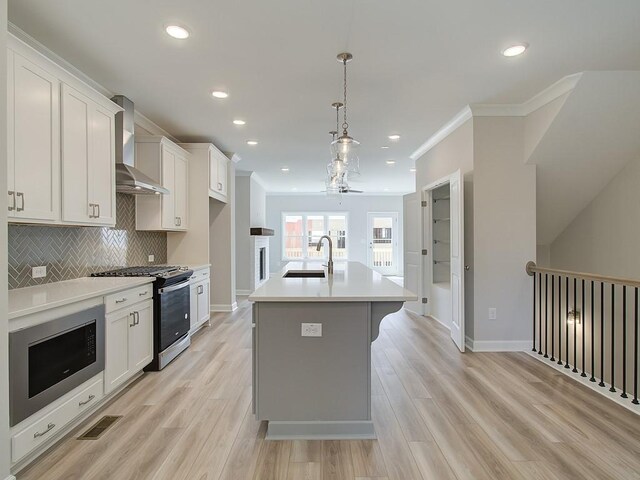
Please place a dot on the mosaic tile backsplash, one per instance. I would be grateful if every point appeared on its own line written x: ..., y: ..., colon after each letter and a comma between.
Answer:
x: 73, y: 252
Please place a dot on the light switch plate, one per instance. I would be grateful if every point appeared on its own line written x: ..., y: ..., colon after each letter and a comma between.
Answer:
x: 152, y: 258
x: 39, y: 272
x: 493, y: 314
x: 311, y: 330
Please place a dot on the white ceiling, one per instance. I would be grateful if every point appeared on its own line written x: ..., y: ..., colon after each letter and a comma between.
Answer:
x: 592, y: 137
x: 417, y: 63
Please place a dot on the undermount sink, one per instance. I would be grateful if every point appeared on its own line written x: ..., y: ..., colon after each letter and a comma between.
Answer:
x: 304, y: 274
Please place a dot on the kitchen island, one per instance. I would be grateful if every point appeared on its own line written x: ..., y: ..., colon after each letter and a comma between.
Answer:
x: 312, y: 335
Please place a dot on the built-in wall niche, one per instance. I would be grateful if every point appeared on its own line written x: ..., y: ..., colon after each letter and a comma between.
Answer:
x: 441, y: 234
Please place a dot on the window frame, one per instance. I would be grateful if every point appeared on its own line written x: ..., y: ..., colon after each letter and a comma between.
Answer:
x: 305, y: 235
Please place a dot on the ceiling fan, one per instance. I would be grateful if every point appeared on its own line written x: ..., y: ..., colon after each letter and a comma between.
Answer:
x: 345, y: 189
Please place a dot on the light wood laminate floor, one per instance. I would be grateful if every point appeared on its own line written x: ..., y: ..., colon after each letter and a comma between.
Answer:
x: 438, y: 414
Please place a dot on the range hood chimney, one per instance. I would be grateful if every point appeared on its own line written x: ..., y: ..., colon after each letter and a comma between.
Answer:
x: 128, y: 178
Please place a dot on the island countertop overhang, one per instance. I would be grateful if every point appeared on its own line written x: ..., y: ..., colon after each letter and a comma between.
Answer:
x: 351, y: 282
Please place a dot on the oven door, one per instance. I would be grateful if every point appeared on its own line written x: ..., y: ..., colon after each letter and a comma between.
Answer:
x: 173, y: 314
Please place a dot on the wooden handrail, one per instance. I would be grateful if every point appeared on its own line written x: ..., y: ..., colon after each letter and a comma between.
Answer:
x: 532, y: 269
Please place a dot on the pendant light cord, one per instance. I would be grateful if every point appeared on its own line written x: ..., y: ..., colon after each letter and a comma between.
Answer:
x: 345, y: 125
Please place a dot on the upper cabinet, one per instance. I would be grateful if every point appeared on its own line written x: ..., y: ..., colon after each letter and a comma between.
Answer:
x: 168, y: 164
x: 88, y: 159
x: 60, y: 144
x: 218, y: 174
x: 33, y: 142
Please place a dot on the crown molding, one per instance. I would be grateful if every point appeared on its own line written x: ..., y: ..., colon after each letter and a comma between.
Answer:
x: 152, y: 127
x: 546, y: 96
x: 452, y: 125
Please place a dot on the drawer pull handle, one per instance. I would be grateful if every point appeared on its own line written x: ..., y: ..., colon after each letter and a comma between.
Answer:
x: 91, y: 397
x: 50, y: 427
x: 122, y: 300
x: 143, y: 294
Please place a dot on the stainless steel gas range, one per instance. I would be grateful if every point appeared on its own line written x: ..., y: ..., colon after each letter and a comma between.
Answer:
x: 170, y: 309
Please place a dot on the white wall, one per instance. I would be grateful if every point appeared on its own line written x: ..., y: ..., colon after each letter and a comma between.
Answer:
x: 504, y: 200
x: 356, y: 205
x: 454, y: 153
x: 4, y: 335
x: 257, y: 203
x: 603, y: 238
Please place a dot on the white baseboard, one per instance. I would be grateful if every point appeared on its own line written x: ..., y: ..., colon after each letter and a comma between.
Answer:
x: 604, y: 391
x: 497, y: 345
x: 243, y: 293
x: 440, y: 322
x: 220, y: 307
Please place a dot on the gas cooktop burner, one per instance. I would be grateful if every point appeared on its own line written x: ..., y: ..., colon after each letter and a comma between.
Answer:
x: 139, y: 272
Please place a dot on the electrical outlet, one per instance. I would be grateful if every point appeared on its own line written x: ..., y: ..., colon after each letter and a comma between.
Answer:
x: 39, y: 272
x: 152, y: 258
x: 311, y: 329
x: 493, y: 314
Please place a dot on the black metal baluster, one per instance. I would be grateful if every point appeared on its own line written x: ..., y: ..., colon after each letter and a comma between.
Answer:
x: 583, y: 319
x: 635, y: 352
x: 575, y: 325
x: 613, y: 338
x: 540, y: 313
x: 624, y: 342
x: 566, y: 324
x: 593, y: 333
x: 546, y: 313
x: 559, y: 320
x: 553, y: 302
x: 601, y: 384
x: 534, y: 313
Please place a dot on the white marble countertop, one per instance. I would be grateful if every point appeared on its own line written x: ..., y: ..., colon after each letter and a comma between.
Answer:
x: 29, y: 300
x: 351, y: 282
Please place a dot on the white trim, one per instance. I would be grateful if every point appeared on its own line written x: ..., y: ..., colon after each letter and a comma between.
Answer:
x: 497, y: 345
x: 243, y: 293
x: 549, y: 94
x: 451, y: 126
x: 439, y: 321
x: 222, y: 307
x: 604, y: 391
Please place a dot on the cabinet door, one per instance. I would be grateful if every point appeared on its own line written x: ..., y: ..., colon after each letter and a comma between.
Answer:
x: 181, y: 185
x: 169, y: 220
x: 141, y: 337
x: 213, y: 172
x: 102, y: 189
x: 76, y: 113
x: 203, y: 302
x: 33, y: 141
x: 193, y: 305
x: 223, y: 167
x: 117, y: 363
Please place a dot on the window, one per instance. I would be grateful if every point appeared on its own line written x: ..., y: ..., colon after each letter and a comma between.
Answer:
x: 302, y: 232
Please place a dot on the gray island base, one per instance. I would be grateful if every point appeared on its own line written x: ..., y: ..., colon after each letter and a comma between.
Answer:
x: 318, y: 387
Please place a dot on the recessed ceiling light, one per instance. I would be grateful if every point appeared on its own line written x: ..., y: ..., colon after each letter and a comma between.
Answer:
x: 412, y: 169
x: 394, y: 137
x: 239, y: 122
x: 384, y: 147
x: 515, y: 50
x: 219, y: 94
x: 386, y: 189
x: 285, y: 169
x: 391, y: 162
x: 252, y: 142
x: 176, y: 31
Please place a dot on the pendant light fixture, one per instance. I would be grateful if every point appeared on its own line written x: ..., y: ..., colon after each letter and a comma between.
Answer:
x: 338, y: 165
x: 345, y: 146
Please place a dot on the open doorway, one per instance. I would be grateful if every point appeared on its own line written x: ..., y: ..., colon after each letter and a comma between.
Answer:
x: 441, y: 230
x: 382, y: 233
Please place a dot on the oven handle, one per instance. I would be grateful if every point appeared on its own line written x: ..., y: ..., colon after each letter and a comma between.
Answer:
x: 173, y: 288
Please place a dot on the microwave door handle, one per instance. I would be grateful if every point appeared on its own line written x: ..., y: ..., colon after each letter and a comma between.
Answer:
x: 173, y: 288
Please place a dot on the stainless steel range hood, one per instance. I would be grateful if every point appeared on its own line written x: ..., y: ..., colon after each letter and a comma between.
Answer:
x: 128, y: 178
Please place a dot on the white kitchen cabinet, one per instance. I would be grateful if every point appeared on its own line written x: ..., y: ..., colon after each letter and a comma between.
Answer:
x: 200, y: 284
x: 218, y: 174
x: 33, y: 142
x: 88, y: 158
x: 129, y: 342
x: 168, y: 164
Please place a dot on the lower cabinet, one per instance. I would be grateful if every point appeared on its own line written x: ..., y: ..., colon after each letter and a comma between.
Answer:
x: 199, y: 295
x: 129, y: 343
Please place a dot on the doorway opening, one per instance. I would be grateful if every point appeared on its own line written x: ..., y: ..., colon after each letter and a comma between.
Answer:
x: 382, y: 233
